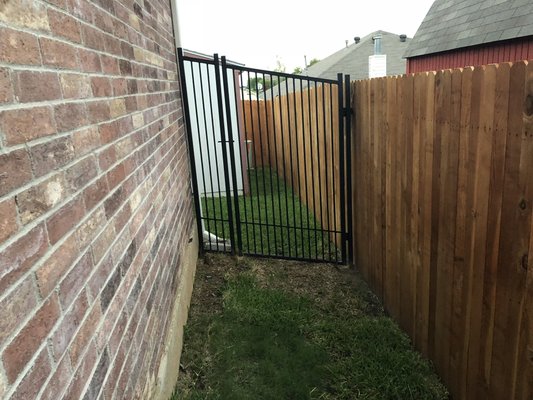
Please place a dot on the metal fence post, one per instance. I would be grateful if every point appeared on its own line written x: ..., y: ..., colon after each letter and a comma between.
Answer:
x: 349, y: 199
x: 194, y: 180
x: 224, y: 142
x: 231, y: 141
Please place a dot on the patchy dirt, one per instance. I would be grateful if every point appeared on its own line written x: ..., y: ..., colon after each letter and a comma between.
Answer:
x: 330, y: 286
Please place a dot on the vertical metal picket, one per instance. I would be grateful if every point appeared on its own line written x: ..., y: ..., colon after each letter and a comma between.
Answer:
x: 342, y: 168
x: 223, y: 143
x: 190, y: 148
x: 227, y: 92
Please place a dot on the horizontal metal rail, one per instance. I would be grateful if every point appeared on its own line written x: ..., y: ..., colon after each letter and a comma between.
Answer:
x: 282, y: 74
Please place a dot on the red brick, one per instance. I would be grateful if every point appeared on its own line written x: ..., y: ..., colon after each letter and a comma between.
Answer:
x: 84, y: 335
x: 124, y: 67
x: 131, y: 104
x: 120, y: 87
x: 64, y: 25
x: 75, y: 280
x: 92, y: 38
x: 81, y: 173
x: 118, y: 333
x: 98, y: 377
x: 57, y: 264
x: 116, y: 176
x: 8, y: 219
x: 106, y: 5
x: 20, y: 351
x: 36, y: 86
x: 142, y: 102
x: 127, y: 50
x: 121, y: 30
x: 81, y: 9
x: 101, y: 86
x: 132, y: 86
x: 20, y: 301
x: 112, y: 379
x: 37, y: 200
x: 16, y: 170
x: 97, y: 281
x: 23, y: 125
x: 75, y: 86
x: 70, y: 116
x: 68, y: 326
x: 113, y: 203
x: 109, y: 65
x: 122, y: 217
x: 95, y: 193
x: 104, y: 21
x: 89, y: 61
x: 18, y: 47
x: 59, y: 54
x: 103, y: 242
x: 107, y: 158
x: 85, y: 141
x: 125, y: 147
x: 25, y: 14
x: 109, y: 132
x: 51, y: 155
x: 87, y: 231
x: 108, y: 292
x: 127, y: 370
x: 33, y: 381
x: 99, y: 111
x: 64, y: 219
x: 82, y: 375
x: 19, y: 257
x: 112, y: 45
x: 112, y: 314
x: 59, y: 381
x: 6, y: 88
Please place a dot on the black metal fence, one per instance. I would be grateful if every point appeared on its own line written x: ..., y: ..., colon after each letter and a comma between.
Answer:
x: 269, y: 160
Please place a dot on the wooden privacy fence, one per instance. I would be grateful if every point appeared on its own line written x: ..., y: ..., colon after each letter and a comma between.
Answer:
x: 443, y: 196
x: 297, y: 135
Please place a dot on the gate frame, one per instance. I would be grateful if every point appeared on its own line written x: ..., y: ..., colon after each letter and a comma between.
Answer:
x: 234, y: 218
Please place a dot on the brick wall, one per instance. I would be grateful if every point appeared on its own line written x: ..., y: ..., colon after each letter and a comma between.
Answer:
x: 95, y: 204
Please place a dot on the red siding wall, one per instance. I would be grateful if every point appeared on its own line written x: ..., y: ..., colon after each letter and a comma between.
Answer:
x: 515, y: 50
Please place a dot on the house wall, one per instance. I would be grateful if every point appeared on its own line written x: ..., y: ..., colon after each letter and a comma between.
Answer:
x: 507, y: 51
x: 205, y: 127
x: 97, y: 241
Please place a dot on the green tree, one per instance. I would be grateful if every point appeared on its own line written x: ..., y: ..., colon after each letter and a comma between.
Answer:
x: 300, y: 70
x: 258, y: 84
x: 313, y: 61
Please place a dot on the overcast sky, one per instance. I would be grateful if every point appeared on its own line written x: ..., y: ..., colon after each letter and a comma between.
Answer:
x: 258, y: 33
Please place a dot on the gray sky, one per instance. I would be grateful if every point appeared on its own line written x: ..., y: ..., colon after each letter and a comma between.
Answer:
x: 259, y: 33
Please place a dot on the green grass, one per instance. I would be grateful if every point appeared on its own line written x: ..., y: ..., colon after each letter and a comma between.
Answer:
x: 272, y: 202
x: 273, y: 331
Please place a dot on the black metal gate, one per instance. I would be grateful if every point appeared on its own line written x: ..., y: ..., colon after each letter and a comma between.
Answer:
x: 270, y: 160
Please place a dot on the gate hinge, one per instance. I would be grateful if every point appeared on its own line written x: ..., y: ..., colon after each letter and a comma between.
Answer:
x: 347, y: 110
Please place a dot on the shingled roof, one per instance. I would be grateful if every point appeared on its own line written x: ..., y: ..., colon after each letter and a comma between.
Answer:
x: 453, y: 24
x: 353, y: 60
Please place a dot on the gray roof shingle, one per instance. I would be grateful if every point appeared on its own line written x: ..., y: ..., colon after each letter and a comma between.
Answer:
x: 452, y: 24
x: 353, y: 60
